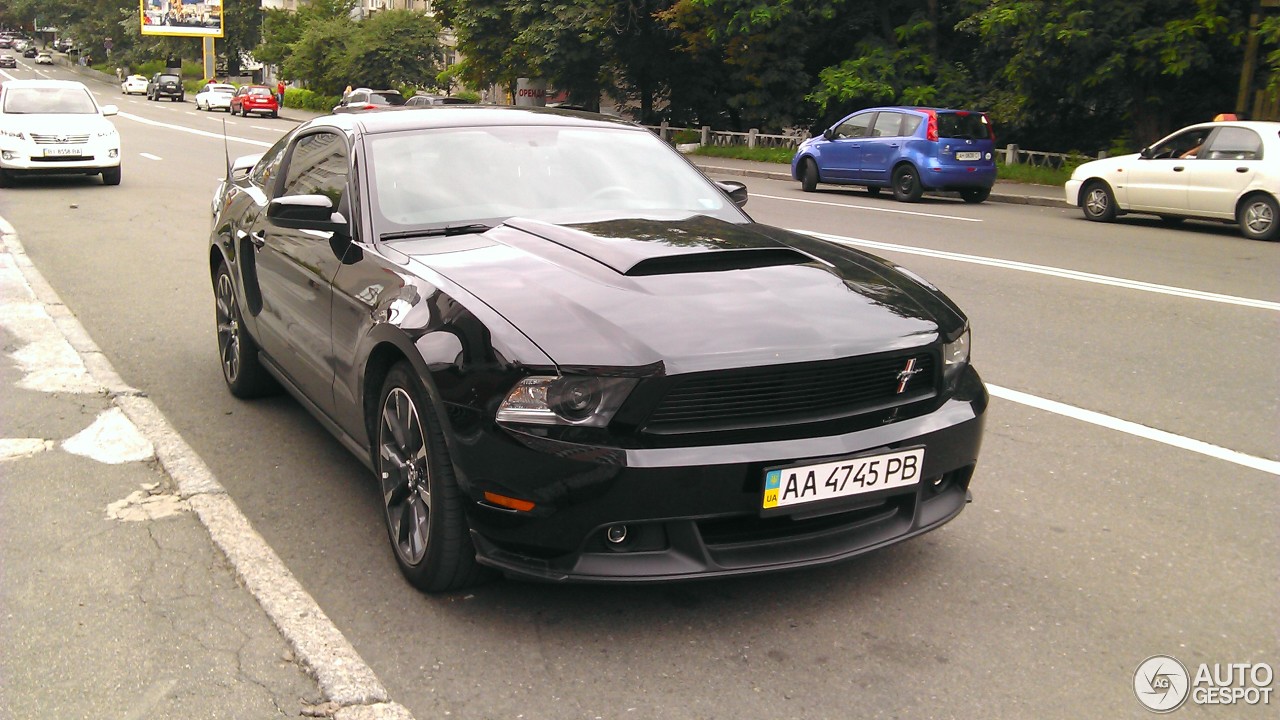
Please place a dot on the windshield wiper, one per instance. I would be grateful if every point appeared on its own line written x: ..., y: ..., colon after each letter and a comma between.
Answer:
x: 435, y: 232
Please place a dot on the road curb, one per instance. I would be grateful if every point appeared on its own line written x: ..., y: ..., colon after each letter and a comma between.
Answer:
x: 342, y: 675
x: 995, y: 196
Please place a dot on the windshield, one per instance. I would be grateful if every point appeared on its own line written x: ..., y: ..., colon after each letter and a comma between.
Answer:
x: 452, y: 176
x: 34, y: 101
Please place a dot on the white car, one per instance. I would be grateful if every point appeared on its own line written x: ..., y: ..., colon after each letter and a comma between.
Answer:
x: 215, y: 96
x: 1222, y: 170
x: 55, y: 127
x: 44, y: 57
x: 134, y: 84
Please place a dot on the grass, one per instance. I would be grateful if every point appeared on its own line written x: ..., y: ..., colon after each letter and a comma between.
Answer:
x: 1008, y: 173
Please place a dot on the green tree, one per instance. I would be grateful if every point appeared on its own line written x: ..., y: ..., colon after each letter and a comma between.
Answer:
x: 318, y: 56
x: 242, y: 31
x: 394, y: 48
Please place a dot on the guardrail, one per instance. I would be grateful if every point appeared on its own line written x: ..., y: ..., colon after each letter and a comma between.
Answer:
x: 1013, y: 155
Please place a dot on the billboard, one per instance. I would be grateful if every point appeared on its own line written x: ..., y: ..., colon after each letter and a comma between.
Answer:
x: 190, y: 18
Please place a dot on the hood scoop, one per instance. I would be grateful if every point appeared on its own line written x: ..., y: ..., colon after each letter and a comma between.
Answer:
x: 646, y: 247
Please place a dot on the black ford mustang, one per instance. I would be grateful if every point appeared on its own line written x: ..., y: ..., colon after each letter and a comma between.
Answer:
x: 567, y: 355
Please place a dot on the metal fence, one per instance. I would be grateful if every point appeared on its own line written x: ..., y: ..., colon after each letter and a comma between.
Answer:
x: 1013, y: 155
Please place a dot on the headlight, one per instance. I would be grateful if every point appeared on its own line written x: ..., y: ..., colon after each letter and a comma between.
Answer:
x: 581, y: 400
x: 13, y: 134
x: 955, y: 355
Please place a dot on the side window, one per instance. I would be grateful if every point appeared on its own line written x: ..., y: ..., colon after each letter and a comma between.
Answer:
x: 317, y: 166
x: 1234, y: 143
x: 1184, y: 145
x: 264, y: 173
x: 888, y: 124
x: 910, y: 123
x: 855, y: 127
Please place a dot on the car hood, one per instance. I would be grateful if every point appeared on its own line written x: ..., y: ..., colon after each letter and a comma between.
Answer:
x: 58, y: 123
x: 692, y: 293
x: 1097, y: 167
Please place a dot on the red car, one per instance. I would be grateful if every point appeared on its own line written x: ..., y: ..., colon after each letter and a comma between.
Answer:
x: 255, y: 99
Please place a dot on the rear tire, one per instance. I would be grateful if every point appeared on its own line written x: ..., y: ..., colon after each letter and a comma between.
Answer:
x: 1097, y: 202
x: 111, y: 176
x: 873, y: 190
x: 906, y: 184
x: 808, y: 175
x: 424, y: 508
x: 975, y: 195
x: 1259, y: 217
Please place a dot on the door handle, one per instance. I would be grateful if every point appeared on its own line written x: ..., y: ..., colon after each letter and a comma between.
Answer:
x: 1242, y: 169
x: 1179, y: 168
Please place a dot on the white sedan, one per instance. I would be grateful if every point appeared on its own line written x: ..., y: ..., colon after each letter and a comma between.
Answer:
x: 44, y: 57
x: 134, y: 84
x: 55, y: 127
x: 1227, y: 171
x: 215, y: 96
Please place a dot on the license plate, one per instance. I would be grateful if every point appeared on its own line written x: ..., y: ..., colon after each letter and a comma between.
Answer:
x: 968, y: 155
x: 61, y: 152
x: 853, y: 476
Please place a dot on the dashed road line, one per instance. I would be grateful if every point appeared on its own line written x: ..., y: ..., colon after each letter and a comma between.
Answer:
x: 149, y: 156
x: 869, y: 209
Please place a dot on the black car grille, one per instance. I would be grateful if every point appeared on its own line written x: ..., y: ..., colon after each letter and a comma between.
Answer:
x: 789, y: 394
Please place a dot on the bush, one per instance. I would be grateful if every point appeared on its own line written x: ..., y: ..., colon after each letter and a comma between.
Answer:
x: 304, y: 99
x: 468, y: 95
x: 681, y: 137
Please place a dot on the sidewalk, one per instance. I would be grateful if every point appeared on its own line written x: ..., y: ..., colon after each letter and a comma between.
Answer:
x: 1007, y: 192
x: 131, y: 586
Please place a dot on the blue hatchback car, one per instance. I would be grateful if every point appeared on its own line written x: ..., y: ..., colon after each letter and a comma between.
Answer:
x: 908, y: 149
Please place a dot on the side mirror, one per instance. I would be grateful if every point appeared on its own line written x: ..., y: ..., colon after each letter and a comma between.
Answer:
x: 109, y: 110
x: 241, y: 166
x: 736, y: 191
x: 829, y: 133
x: 306, y: 212
x: 1145, y: 153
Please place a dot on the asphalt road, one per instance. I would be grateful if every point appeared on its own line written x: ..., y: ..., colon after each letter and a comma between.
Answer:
x: 1086, y: 550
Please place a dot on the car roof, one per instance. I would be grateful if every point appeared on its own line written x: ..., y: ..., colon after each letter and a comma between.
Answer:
x: 34, y: 83
x: 400, y: 118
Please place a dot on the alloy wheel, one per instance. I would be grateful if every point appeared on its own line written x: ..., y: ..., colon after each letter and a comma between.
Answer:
x: 1097, y: 202
x: 1258, y: 218
x: 404, y: 471
x: 228, y: 317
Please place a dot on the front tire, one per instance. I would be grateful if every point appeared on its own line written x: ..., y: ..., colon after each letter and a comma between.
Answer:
x: 1099, y: 204
x: 1259, y: 217
x: 6, y: 179
x: 808, y: 175
x: 244, y: 374
x: 426, y: 523
x: 111, y: 176
x: 906, y: 184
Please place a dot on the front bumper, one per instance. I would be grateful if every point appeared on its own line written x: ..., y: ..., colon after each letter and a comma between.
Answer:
x: 1072, y: 192
x: 695, y: 512
x: 29, y: 157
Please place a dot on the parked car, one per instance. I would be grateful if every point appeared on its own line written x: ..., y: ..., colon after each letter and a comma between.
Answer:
x: 363, y: 99
x: 908, y: 149
x: 8, y: 61
x: 254, y: 99
x: 30, y: 52
x: 535, y: 355
x: 167, y: 85
x: 215, y: 96
x: 56, y: 127
x: 134, y: 85
x: 1226, y: 171
x: 44, y: 57
x: 425, y: 100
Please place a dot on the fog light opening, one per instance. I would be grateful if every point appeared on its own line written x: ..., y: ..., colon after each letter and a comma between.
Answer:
x: 616, y: 534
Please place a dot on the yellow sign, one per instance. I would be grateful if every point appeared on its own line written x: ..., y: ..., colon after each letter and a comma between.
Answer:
x: 187, y: 18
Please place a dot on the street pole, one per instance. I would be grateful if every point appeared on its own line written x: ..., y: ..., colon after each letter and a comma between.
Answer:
x: 209, y: 59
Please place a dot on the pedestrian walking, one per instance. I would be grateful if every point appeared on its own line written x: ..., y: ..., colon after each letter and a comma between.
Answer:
x: 280, y: 93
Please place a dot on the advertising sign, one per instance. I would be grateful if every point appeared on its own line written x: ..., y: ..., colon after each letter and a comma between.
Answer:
x: 531, y: 92
x: 190, y: 18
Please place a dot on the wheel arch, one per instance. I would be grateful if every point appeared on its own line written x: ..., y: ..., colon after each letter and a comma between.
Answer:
x: 1090, y: 182
x: 1249, y: 195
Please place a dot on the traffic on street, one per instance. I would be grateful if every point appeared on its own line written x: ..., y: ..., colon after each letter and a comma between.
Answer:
x: 1123, y: 505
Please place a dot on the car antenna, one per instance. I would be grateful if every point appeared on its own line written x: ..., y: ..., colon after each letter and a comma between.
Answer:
x: 226, y: 151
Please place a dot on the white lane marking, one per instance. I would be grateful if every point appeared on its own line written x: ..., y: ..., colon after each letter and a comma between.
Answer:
x: 149, y: 156
x: 45, y: 358
x: 19, y: 448
x: 872, y: 209
x: 262, y: 127
x: 1053, y: 271
x: 111, y: 439
x: 188, y: 112
x: 1133, y: 428
x: 193, y: 131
